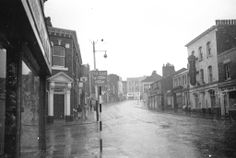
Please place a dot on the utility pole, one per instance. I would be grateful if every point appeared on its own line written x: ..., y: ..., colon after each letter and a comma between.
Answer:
x: 94, y: 58
x: 98, y: 96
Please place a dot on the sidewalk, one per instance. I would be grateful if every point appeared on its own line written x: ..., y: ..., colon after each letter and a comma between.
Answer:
x: 91, y: 118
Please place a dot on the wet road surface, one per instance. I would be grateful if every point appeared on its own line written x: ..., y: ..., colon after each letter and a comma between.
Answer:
x: 132, y: 131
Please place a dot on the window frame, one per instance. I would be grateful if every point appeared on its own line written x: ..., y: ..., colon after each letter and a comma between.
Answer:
x: 200, y: 53
x: 227, y: 75
x: 60, y: 56
x: 208, y: 49
x: 202, y: 76
x: 210, y: 73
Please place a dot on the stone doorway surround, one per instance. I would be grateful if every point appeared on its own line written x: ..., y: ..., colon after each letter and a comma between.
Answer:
x: 59, y: 83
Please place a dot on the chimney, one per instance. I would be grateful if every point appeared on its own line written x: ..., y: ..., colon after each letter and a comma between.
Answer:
x: 226, y: 22
x: 48, y: 21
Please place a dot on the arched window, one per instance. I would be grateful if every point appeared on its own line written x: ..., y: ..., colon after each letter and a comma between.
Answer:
x: 202, y: 75
x: 210, y: 75
x: 208, y: 48
x: 58, y: 56
x: 200, y: 53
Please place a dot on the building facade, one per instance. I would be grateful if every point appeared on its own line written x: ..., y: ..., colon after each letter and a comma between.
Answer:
x: 227, y: 80
x: 64, y: 90
x: 114, y: 89
x: 25, y: 63
x: 146, y: 84
x: 159, y: 95
x: 134, y: 87
x: 203, y: 65
x: 180, y: 91
x: 124, y: 85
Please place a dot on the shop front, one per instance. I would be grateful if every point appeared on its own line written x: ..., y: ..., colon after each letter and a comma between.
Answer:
x: 25, y: 64
x: 228, y: 98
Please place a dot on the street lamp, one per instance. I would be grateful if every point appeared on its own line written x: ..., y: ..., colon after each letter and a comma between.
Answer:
x: 94, y: 51
x: 100, y: 93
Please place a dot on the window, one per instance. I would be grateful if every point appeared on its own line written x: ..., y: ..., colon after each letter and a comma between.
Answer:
x: 227, y: 71
x: 193, y: 53
x: 58, y: 56
x: 200, y: 53
x: 202, y: 75
x: 210, y: 75
x: 208, y: 48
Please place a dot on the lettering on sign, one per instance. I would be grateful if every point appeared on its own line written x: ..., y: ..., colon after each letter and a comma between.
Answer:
x: 100, y: 77
x: 34, y: 10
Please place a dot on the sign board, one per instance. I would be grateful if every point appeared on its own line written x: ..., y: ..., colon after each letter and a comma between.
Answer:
x: 35, y: 15
x: 83, y: 79
x: 100, y: 77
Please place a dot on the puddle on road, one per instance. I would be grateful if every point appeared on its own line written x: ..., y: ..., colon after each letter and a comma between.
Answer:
x: 165, y: 126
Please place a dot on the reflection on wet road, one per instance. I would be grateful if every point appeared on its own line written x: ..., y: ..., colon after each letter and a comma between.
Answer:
x: 132, y: 131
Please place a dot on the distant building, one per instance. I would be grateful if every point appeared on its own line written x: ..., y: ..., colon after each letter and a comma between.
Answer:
x: 124, y: 83
x: 180, y: 91
x: 158, y: 98
x: 146, y: 84
x: 203, y: 54
x: 134, y: 87
x: 114, y: 88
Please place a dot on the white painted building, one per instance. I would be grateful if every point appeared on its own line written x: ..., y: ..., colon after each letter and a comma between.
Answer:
x: 134, y: 87
x: 203, y: 95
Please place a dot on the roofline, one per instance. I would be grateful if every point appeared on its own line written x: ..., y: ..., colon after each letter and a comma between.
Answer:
x: 74, y: 37
x: 201, y: 35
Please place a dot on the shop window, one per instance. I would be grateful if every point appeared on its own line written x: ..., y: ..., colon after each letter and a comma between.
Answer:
x: 29, y: 110
x: 227, y: 71
x: 58, y: 56
x: 3, y: 58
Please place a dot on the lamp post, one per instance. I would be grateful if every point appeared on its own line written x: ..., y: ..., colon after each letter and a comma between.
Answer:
x: 94, y: 51
x: 98, y: 93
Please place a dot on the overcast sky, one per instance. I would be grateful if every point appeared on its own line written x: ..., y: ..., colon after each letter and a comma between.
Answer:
x: 139, y: 35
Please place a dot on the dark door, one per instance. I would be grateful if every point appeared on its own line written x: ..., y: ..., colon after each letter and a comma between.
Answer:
x: 59, y: 106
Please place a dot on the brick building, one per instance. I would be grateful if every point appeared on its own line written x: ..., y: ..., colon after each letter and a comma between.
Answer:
x: 64, y: 87
x: 227, y: 80
x: 158, y: 95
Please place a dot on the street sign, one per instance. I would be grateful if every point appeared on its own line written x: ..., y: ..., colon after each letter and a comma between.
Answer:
x: 100, y: 77
x: 83, y: 79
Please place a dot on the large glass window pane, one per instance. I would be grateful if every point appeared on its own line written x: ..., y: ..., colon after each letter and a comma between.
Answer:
x: 29, y: 112
x: 3, y: 58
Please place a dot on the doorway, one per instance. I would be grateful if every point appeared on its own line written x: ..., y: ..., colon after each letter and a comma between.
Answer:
x: 59, y: 106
